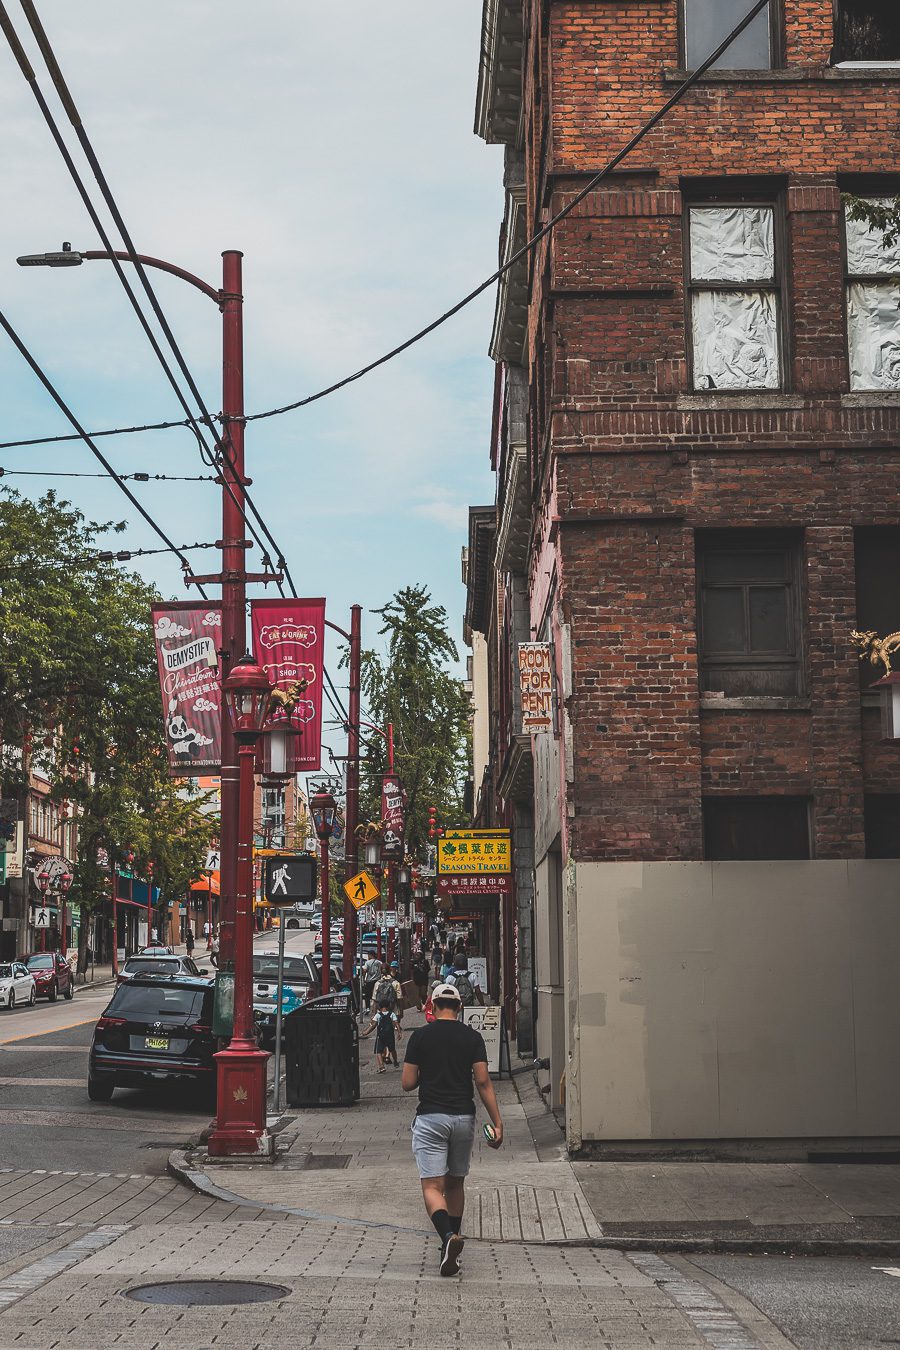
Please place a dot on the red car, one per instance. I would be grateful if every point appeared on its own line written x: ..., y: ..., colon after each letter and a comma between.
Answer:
x: 52, y: 975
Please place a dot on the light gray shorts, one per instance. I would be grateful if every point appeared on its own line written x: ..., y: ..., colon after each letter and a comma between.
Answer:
x: 442, y: 1145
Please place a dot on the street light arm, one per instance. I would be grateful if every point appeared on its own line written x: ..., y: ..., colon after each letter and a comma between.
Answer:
x: 218, y: 296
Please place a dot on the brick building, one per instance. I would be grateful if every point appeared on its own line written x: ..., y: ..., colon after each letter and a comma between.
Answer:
x: 696, y: 440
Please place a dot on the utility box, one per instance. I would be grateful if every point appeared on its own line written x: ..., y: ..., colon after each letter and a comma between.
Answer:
x: 322, y: 1053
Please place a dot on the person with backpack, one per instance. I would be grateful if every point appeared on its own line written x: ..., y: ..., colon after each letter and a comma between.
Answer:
x: 421, y: 973
x: 371, y: 975
x: 463, y: 979
x: 386, y: 1025
x: 387, y: 991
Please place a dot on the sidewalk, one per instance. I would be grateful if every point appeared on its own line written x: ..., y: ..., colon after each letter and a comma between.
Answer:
x: 354, y: 1165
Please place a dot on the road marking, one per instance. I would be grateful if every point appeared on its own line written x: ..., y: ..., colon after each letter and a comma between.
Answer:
x: 53, y: 1031
x: 39, y: 1049
x: 889, y: 1270
x: 41, y: 1082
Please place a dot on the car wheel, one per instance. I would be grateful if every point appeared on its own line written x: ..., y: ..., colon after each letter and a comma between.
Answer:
x: 12, y: 1000
x: 99, y: 1090
x: 53, y: 994
x: 32, y: 997
x: 70, y: 989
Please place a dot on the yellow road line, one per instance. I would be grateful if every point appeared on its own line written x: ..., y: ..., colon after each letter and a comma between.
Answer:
x: 51, y: 1031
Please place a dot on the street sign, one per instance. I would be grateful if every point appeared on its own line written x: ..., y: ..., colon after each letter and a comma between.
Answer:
x: 290, y: 877
x: 42, y: 918
x: 468, y: 852
x: 361, y: 890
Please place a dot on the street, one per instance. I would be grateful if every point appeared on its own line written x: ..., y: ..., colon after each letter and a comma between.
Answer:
x: 87, y: 1210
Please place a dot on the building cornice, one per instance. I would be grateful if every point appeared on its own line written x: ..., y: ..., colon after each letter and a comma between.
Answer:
x: 498, y: 103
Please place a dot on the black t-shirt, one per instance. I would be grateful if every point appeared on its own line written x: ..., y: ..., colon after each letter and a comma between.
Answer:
x: 445, y: 1052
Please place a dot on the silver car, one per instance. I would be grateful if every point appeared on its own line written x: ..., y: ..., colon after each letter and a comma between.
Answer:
x: 16, y: 984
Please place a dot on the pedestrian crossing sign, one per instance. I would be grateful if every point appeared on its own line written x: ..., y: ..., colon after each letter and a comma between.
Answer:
x: 361, y: 890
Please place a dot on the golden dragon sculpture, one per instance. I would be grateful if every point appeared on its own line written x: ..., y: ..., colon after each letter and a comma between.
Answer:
x: 877, y: 650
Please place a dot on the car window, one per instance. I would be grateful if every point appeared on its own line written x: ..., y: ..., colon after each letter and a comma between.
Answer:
x: 150, y: 966
x: 21, y: 970
x: 40, y: 962
x: 266, y: 968
x: 6, y: 972
x: 156, y: 1003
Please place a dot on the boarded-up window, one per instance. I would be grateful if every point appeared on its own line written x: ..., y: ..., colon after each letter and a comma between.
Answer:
x: 707, y: 24
x: 748, y: 614
x: 883, y: 825
x: 866, y: 32
x: 873, y: 306
x: 755, y: 829
x: 735, y: 300
x: 877, y: 552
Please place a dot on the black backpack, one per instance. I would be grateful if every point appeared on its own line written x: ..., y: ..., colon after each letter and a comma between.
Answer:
x: 421, y: 969
x: 384, y: 992
x: 464, y: 988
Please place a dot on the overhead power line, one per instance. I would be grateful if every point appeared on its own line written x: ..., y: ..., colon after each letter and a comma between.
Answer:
x: 501, y: 271
x: 95, y: 435
x: 137, y: 476
x: 67, y: 412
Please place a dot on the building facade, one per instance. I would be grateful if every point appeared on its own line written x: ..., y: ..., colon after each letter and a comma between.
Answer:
x: 696, y: 439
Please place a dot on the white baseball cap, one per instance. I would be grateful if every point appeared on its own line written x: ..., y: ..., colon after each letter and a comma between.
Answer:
x: 445, y: 991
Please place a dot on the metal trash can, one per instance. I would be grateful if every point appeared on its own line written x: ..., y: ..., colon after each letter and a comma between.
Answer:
x: 322, y: 1053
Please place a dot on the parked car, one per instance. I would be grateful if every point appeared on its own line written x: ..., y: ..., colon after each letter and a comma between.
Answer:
x: 52, y: 975
x: 16, y: 984
x: 300, y: 976
x: 156, y: 949
x: 155, y: 1029
x: 159, y: 965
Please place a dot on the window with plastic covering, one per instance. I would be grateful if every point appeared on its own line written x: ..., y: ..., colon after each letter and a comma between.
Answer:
x: 735, y: 297
x: 748, y: 614
x: 866, y: 32
x: 873, y: 305
x: 706, y: 23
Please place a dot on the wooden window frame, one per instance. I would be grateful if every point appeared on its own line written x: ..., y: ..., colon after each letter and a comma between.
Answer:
x: 776, y: 38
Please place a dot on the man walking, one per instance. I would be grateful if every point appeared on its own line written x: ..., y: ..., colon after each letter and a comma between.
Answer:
x: 443, y: 1060
x: 371, y: 976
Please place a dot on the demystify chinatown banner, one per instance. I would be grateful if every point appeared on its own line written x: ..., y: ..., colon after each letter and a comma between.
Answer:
x: 187, y: 639
x: 289, y: 644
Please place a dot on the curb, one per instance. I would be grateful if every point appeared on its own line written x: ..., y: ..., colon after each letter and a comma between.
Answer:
x: 180, y: 1166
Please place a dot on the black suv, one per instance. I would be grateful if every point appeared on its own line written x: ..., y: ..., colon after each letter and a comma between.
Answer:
x: 156, y: 1029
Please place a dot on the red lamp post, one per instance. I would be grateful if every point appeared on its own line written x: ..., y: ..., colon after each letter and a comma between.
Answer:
x: 65, y: 881
x: 43, y: 881
x: 149, y: 902
x: 240, y: 1126
x: 323, y: 809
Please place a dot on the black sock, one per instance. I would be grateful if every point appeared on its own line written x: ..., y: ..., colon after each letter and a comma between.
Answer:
x: 456, y: 1220
x: 443, y: 1223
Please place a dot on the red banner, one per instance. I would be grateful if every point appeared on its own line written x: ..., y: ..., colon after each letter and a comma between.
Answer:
x: 289, y: 644
x: 393, y: 816
x: 187, y: 639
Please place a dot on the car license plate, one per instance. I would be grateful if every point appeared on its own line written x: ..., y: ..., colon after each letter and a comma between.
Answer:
x: 156, y: 1043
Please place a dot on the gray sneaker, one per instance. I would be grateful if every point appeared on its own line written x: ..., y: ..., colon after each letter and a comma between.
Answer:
x: 450, y: 1254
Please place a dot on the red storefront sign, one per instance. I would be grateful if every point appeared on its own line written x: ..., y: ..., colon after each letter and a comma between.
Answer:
x: 187, y: 639
x: 474, y: 885
x: 289, y: 644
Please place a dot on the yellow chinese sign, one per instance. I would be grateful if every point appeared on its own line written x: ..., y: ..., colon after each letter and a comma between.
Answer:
x: 478, y: 852
x: 361, y: 890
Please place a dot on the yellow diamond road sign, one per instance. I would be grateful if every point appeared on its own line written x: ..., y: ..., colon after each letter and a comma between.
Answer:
x: 361, y: 890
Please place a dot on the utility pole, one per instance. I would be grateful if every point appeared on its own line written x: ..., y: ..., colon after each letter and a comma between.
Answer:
x: 351, y: 810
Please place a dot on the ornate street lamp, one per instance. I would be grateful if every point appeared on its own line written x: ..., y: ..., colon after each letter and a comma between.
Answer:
x: 64, y: 882
x: 240, y: 1126
x: 323, y: 809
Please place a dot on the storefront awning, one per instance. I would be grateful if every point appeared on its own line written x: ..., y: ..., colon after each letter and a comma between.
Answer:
x: 209, y: 883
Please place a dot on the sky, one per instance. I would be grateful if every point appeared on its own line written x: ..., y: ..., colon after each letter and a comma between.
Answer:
x: 333, y: 145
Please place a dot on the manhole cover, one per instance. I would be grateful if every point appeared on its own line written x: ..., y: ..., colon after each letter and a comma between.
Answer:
x: 206, y: 1293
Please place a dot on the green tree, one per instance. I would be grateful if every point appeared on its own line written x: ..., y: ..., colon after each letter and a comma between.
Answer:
x: 413, y: 687
x: 78, y: 677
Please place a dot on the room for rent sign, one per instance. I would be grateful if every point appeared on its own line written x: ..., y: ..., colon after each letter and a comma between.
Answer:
x: 536, y: 686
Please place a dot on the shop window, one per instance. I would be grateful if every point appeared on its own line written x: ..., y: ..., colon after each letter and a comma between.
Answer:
x: 707, y: 23
x: 735, y: 302
x: 883, y: 825
x: 873, y: 305
x: 748, y: 615
x: 877, y: 554
x: 755, y: 829
x: 866, y: 32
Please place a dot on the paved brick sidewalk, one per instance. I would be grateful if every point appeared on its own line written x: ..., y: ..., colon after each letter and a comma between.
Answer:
x: 357, y: 1287
x: 356, y: 1163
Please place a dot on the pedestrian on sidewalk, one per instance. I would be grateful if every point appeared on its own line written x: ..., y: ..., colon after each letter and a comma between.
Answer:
x: 189, y: 941
x: 421, y: 972
x: 385, y: 1024
x: 371, y: 975
x: 214, y: 950
x: 388, y: 990
x: 464, y: 980
x: 443, y: 1060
